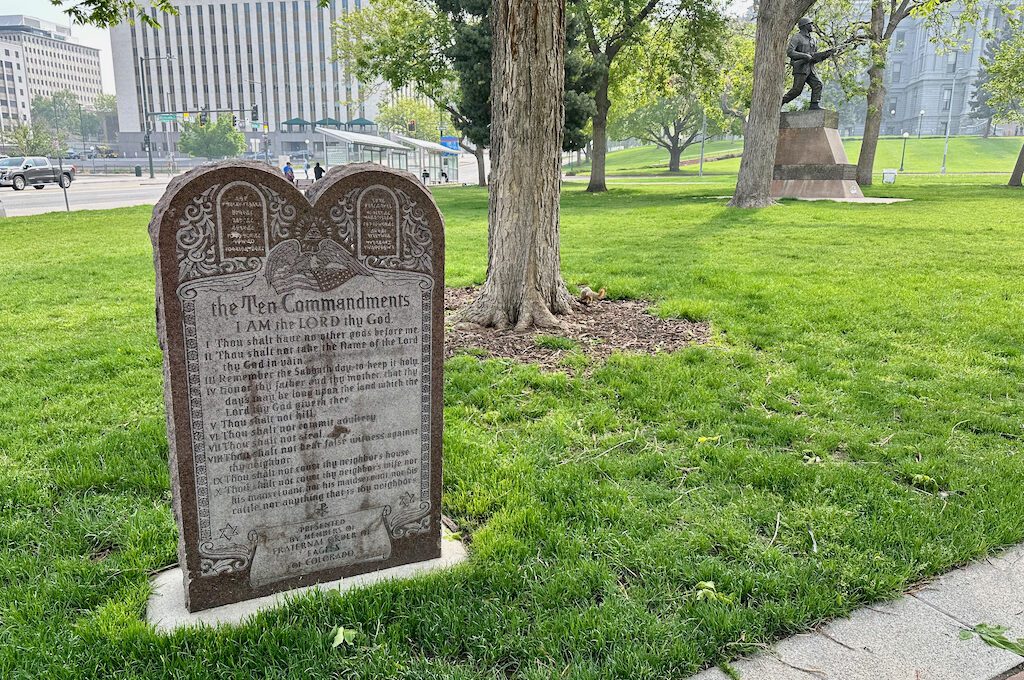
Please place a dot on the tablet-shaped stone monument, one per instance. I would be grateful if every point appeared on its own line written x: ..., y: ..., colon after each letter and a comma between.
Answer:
x: 303, y: 345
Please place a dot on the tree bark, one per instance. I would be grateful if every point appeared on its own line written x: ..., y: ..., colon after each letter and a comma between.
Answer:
x: 1018, y: 169
x: 872, y: 125
x: 674, y: 154
x: 600, y: 149
x: 774, y: 21
x: 875, y: 96
x: 524, y: 286
x: 481, y: 169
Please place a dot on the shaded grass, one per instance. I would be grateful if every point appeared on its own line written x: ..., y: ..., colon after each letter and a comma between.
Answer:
x: 966, y: 154
x: 859, y: 350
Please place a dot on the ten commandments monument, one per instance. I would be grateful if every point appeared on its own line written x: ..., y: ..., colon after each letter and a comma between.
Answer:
x: 303, y: 346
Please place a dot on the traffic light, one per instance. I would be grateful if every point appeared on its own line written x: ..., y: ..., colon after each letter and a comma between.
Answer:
x: 255, y: 113
x: 412, y: 126
x: 234, y: 120
x: 204, y: 117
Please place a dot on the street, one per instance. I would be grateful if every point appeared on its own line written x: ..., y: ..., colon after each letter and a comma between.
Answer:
x: 85, y: 193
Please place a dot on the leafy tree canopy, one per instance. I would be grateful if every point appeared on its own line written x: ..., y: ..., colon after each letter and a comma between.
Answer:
x: 29, y: 140
x: 1005, y: 72
x: 401, y: 114
x: 216, y: 139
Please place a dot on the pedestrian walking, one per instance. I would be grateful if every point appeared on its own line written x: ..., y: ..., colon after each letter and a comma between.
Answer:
x: 289, y: 172
x: 307, y: 168
x: 318, y: 171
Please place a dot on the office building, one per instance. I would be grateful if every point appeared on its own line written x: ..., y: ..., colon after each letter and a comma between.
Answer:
x: 228, y: 57
x: 52, y: 60
x: 14, y: 99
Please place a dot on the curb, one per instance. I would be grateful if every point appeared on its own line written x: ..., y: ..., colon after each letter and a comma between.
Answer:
x: 915, y: 636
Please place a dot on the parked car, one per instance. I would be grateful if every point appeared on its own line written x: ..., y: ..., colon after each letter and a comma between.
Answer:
x: 302, y: 156
x: 72, y: 154
x: 21, y: 171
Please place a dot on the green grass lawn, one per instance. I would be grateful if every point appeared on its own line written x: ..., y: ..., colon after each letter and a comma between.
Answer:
x: 862, y: 394
x: 966, y: 154
x: 651, y: 160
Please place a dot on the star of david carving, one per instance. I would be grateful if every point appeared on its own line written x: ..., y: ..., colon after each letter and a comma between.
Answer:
x: 406, y: 499
x: 228, y: 531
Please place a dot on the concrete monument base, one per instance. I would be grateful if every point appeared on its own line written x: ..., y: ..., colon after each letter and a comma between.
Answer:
x: 810, y: 161
x: 166, y: 610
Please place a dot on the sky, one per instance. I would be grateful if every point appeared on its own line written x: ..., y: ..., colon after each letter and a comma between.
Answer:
x: 86, y: 35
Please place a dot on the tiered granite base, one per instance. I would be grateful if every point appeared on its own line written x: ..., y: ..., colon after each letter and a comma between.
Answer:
x: 810, y: 161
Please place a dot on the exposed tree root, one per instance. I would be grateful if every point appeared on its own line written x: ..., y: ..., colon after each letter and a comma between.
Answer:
x: 752, y: 202
x: 530, y: 311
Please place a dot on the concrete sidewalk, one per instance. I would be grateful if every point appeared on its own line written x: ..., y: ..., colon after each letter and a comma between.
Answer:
x: 914, y: 638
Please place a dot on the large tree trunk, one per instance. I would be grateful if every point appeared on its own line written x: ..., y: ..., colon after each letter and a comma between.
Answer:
x: 1018, y: 169
x: 524, y: 286
x: 600, y: 149
x: 478, y: 152
x: 872, y: 125
x: 774, y: 21
x: 674, y: 154
x: 481, y: 168
x: 876, y: 96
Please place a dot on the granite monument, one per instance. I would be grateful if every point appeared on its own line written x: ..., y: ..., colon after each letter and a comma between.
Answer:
x: 303, y: 341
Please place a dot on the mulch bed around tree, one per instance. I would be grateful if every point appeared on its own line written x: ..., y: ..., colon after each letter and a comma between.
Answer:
x: 596, y: 330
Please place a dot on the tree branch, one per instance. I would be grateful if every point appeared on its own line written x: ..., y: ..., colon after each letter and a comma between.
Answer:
x: 618, y: 38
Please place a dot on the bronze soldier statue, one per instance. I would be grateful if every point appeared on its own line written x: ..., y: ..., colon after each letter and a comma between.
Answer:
x: 803, y: 55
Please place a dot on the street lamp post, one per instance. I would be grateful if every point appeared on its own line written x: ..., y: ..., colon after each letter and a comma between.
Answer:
x: 906, y: 136
x: 949, y: 118
x: 892, y: 114
x: 145, y: 108
x: 920, y: 122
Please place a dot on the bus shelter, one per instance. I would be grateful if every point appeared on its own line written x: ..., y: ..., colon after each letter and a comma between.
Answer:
x: 439, y: 161
x: 342, y: 147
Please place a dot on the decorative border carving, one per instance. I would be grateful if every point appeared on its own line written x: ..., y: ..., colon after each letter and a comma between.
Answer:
x: 226, y: 559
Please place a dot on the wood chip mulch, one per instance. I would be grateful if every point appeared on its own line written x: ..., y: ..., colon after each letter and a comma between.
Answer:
x: 596, y: 330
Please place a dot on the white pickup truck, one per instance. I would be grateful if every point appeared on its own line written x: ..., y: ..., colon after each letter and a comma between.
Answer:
x: 21, y: 171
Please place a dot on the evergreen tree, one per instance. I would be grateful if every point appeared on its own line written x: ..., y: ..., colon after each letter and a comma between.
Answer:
x: 980, y: 107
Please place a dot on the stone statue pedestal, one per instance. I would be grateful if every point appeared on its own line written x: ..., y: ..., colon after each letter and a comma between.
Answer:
x: 810, y: 161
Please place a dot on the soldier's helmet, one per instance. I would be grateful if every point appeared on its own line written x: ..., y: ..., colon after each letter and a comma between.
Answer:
x: 804, y: 21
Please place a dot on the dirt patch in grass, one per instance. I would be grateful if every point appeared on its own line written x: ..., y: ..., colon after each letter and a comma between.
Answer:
x: 593, y: 334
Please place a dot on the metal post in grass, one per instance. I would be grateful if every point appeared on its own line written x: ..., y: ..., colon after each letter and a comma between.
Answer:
x: 949, y: 118
x: 906, y: 136
x: 703, y: 136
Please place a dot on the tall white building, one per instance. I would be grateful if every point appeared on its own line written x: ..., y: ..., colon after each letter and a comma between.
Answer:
x: 52, y: 59
x: 229, y: 56
x: 14, y: 99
